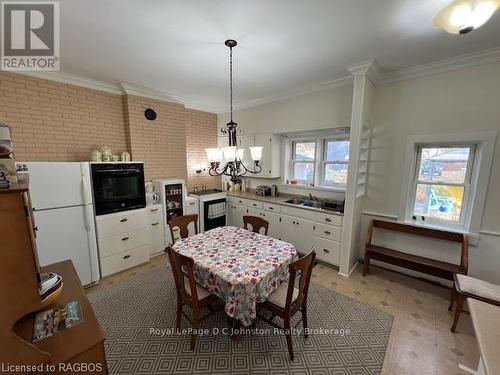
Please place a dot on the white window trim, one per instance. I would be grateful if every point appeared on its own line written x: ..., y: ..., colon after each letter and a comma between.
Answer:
x: 318, y: 137
x: 324, y: 162
x: 483, y: 158
x: 293, y: 160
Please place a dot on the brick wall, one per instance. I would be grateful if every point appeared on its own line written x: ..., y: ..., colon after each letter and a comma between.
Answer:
x: 53, y: 121
x: 160, y: 144
x: 201, y: 133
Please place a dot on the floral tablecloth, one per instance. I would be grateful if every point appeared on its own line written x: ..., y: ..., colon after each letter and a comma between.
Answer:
x: 239, y: 266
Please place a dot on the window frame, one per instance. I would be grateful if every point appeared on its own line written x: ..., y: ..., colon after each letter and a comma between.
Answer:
x: 466, y: 184
x: 325, y: 162
x: 294, y: 161
x: 480, y: 175
x: 319, y: 138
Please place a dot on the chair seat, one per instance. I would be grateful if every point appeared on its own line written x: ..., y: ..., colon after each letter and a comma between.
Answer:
x: 478, y: 288
x: 201, y: 291
x: 278, y: 297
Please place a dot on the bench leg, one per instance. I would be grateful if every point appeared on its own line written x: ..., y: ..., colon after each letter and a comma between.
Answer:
x: 453, y: 297
x: 366, y: 265
x: 460, y: 298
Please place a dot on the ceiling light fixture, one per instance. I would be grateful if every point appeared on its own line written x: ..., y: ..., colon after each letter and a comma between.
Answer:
x: 463, y: 16
x: 232, y: 155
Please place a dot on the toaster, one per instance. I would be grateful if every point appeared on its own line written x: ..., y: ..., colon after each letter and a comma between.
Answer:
x: 263, y: 190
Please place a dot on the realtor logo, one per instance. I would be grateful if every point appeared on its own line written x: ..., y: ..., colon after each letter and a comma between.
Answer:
x: 30, y: 35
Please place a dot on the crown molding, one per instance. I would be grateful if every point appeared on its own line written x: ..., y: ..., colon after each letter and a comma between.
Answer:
x: 322, y: 86
x: 481, y: 57
x: 370, y: 68
x: 72, y: 79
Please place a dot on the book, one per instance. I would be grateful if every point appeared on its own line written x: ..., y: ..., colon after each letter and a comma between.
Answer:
x: 50, y: 322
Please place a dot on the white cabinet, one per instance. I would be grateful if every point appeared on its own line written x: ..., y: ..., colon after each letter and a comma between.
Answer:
x: 156, y: 232
x: 235, y: 214
x: 271, y: 155
x: 271, y: 152
x: 297, y: 231
x: 124, y: 240
x: 304, y: 228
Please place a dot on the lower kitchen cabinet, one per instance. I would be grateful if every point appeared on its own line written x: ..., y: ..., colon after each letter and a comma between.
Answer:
x: 305, y: 229
x: 274, y: 229
x: 297, y: 231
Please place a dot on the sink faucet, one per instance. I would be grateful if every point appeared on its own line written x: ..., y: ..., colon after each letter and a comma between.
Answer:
x: 311, y: 197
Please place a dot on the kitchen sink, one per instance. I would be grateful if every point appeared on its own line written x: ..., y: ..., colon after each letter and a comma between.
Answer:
x: 295, y: 201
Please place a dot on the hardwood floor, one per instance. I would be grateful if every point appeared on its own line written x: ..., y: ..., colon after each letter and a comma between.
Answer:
x: 421, y: 342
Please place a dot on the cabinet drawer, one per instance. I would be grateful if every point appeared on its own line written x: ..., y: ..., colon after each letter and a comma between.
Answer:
x: 109, y: 225
x: 115, y: 244
x: 298, y: 212
x: 157, y: 208
x: 157, y: 238
x: 237, y: 200
x: 329, y: 232
x: 329, y: 219
x: 327, y: 250
x: 272, y: 207
x: 125, y: 260
x: 156, y: 219
x: 255, y: 204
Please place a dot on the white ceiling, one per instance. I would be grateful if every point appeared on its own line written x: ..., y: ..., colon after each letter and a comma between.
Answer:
x: 177, y: 46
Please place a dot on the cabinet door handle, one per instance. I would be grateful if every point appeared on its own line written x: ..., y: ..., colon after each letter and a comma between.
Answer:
x: 254, y: 204
x: 271, y: 208
x: 125, y: 238
x: 328, y: 219
x: 126, y: 257
x: 293, y: 222
x: 327, y: 232
x: 326, y: 251
x: 298, y: 223
x: 154, y: 209
x: 192, y: 203
x: 123, y: 220
x: 155, y: 223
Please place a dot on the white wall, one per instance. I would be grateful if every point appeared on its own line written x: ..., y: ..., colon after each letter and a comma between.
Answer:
x: 466, y: 100
x: 319, y: 110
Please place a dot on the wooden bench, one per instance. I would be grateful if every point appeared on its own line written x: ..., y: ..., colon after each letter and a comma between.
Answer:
x: 418, y: 263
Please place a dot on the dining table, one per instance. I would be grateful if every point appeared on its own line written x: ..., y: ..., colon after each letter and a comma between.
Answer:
x: 239, y: 266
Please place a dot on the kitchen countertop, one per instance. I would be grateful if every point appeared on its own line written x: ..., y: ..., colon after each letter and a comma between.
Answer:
x: 486, y: 320
x: 281, y: 200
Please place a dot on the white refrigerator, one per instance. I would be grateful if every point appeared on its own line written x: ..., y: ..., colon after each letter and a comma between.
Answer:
x: 61, y: 196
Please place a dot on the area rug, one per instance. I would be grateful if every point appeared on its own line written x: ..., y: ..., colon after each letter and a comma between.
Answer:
x: 138, y: 319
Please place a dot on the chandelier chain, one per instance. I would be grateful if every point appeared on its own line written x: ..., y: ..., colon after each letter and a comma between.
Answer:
x: 231, y: 80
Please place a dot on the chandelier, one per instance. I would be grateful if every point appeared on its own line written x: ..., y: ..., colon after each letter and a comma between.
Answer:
x: 232, y: 156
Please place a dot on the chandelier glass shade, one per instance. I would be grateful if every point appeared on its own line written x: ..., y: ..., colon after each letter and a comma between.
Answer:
x: 464, y: 16
x: 228, y: 161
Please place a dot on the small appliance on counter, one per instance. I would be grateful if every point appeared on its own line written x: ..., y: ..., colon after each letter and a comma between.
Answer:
x: 274, y: 191
x: 263, y: 190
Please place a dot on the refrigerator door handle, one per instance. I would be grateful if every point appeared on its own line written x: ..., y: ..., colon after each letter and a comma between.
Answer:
x: 86, y: 194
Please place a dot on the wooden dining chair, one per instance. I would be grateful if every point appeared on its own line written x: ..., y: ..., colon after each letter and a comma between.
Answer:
x: 189, y: 292
x: 256, y: 223
x: 288, y: 299
x: 182, y: 222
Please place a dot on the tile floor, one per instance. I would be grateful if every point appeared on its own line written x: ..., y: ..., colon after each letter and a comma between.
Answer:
x: 421, y: 342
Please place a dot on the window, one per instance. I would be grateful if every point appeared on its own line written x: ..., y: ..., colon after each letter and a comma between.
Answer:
x: 442, y: 182
x: 447, y: 177
x: 303, y: 161
x: 335, y: 162
x: 320, y: 159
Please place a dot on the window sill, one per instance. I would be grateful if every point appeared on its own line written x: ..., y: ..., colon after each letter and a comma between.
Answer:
x: 320, y: 188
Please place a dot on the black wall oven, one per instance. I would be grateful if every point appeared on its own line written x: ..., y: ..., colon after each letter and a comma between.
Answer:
x: 118, y: 187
